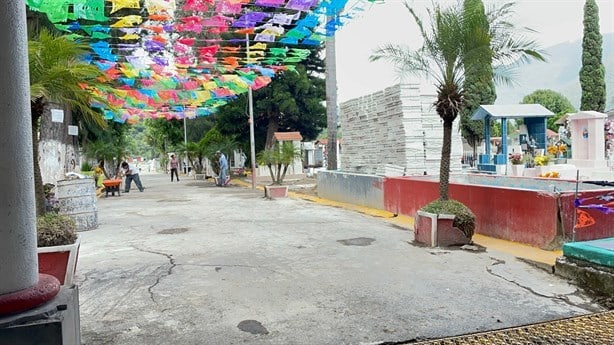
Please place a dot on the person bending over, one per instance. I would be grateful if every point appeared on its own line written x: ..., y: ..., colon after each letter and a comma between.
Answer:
x: 131, y: 173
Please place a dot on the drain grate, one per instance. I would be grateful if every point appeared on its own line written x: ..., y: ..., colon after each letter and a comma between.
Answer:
x: 587, y: 329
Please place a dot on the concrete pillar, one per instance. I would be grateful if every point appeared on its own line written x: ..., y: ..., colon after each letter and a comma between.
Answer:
x: 18, y: 260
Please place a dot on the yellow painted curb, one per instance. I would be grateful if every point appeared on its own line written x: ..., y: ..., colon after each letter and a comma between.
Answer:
x: 516, y: 249
x: 519, y: 250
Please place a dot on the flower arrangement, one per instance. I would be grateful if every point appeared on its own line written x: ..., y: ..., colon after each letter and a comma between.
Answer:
x: 557, y: 150
x: 516, y: 158
x: 542, y: 160
x: 551, y: 174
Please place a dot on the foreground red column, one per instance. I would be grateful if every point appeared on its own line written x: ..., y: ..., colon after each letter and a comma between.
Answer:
x: 20, y: 287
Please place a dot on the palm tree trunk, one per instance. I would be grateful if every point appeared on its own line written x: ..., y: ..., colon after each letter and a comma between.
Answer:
x: 283, y: 174
x: 278, y: 177
x: 271, y: 172
x: 444, y: 168
x: 37, y: 109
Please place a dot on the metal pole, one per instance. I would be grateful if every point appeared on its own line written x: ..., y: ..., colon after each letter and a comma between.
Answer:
x: 185, y: 142
x: 575, y: 211
x: 252, y: 140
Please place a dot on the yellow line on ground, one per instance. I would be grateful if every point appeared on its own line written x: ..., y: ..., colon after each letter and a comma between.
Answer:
x: 519, y: 250
x: 516, y: 249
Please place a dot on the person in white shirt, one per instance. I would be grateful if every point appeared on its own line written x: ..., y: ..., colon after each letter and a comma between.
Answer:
x: 131, y: 173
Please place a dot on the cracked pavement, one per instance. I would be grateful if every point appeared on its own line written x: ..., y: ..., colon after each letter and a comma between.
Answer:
x: 190, y: 263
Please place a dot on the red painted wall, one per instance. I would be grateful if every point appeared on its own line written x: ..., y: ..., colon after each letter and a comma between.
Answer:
x: 518, y: 215
x: 597, y: 223
x: 512, y: 214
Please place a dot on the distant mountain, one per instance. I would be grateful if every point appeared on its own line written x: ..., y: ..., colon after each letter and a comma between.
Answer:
x: 560, y: 73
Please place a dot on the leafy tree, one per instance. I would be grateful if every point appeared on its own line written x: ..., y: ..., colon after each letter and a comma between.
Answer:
x: 447, y: 47
x: 163, y: 135
x: 291, y: 102
x: 197, y: 127
x: 479, y: 86
x: 195, y: 151
x: 108, y: 148
x: 509, y: 48
x: 57, y: 75
x: 136, y: 142
x: 553, y: 101
x: 214, y: 141
x: 592, y: 73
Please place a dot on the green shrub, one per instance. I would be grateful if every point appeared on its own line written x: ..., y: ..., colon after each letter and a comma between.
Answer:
x: 55, y: 229
x: 85, y: 166
x: 464, y: 220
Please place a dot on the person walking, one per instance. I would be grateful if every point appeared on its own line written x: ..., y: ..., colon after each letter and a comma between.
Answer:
x: 131, y: 173
x: 223, y: 179
x: 174, y: 163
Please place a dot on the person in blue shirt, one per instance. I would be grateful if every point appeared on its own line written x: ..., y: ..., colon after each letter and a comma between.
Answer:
x: 223, y: 179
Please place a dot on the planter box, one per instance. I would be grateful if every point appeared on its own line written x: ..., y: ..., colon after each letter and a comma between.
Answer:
x: 437, y: 230
x: 274, y: 192
x: 518, y: 169
x: 59, y: 261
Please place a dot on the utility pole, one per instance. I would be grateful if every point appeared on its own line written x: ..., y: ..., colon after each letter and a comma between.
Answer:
x: 331, y: 103
x: 252, y: 141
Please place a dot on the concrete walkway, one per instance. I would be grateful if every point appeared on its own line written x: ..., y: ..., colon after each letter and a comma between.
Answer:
x: 191, y: 263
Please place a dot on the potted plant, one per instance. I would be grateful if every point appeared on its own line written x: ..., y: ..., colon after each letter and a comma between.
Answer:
x: 517, y: 160
x: 444, y: 223
x: 277, y: 159
x: 58, y: 246
x: 541, y: 164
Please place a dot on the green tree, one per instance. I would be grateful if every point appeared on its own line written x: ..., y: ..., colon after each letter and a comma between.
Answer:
x: 163, y: 135
x: 195, y: 151
x: 56, y: 76
x: 108, y: 147
x: 446, y: 48
x: 592, y: 72
x: 508, y: 48
x: 291, y: 102
x: 214, y: 141
x: 478, y: 85
x: 553, y: 101
x: 197, y: 127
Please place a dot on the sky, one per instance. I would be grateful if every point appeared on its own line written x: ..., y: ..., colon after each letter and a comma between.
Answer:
x: 556, y: 21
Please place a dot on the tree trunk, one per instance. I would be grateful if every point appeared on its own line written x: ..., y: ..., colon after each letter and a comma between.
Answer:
x: 37, y: 109
x: 283, y: 174
x: 278, y: 176
x: 444, y: 168
x: 271, y: 172
x: 272, y: 127
x: 331, y: 104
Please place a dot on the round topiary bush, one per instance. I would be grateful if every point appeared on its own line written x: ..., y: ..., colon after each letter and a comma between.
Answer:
x: 464, y: 220
x: 55, y: 229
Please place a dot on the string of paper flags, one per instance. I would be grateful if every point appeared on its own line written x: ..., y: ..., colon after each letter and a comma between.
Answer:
x: 185, y: 58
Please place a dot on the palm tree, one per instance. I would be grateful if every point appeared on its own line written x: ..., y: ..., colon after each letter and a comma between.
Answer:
x: 196, y: 153
x: 455, y: 37
x: 57, y: 75
x: 278, y: 158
